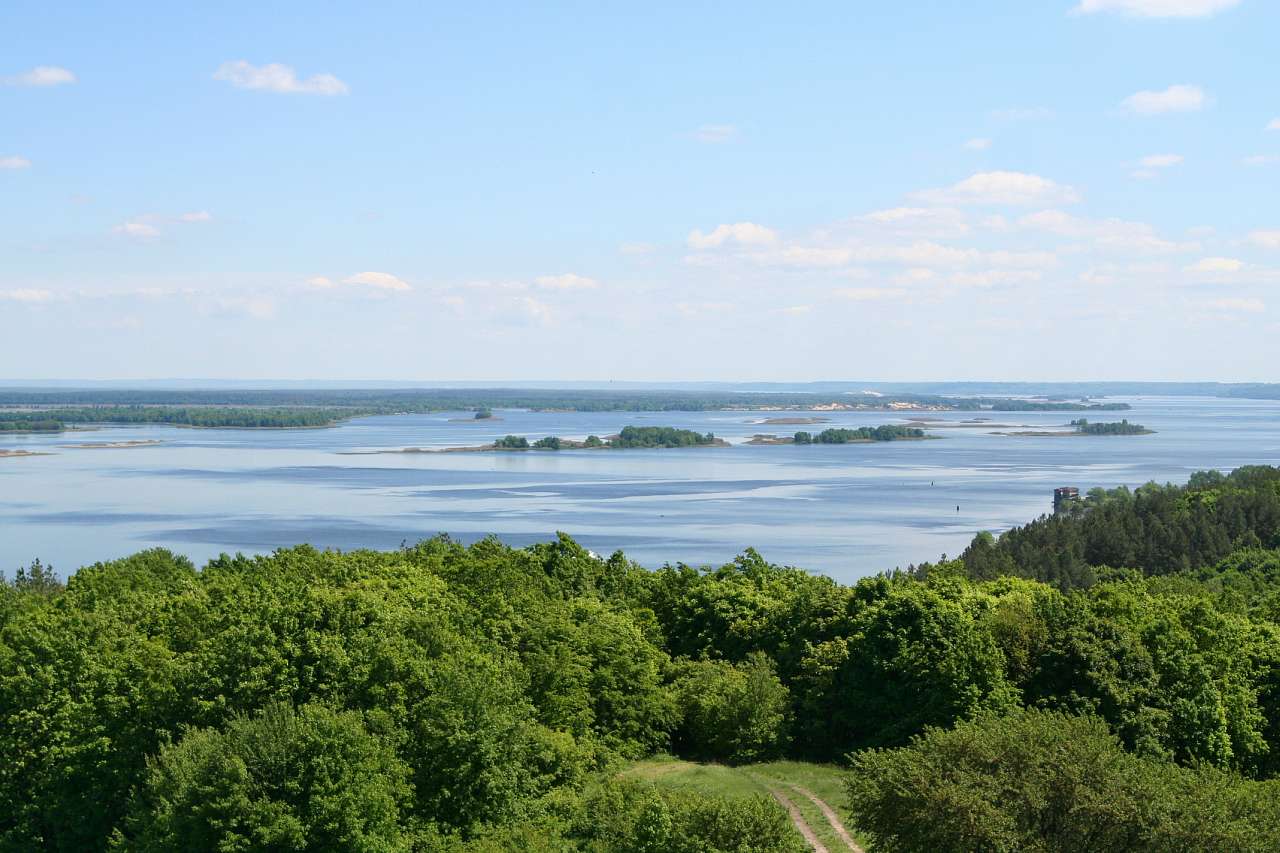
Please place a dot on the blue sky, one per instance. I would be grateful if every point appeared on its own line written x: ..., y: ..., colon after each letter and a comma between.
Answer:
x: 919, y: 190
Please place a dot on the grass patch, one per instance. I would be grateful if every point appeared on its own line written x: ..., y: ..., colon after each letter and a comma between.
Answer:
x: 755, y: 780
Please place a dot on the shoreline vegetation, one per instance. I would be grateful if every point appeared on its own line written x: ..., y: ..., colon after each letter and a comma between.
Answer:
x: 649, y: 438
x: 53, y: 411
x: 1082, y: 427
x: 630, y: 438
x: 1106, y: 678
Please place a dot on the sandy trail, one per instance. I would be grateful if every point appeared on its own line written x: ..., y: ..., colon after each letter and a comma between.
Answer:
x: 798, y: 819
x: 832, y: 818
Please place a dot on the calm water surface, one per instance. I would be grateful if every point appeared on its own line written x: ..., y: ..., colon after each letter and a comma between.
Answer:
x: 846, y: 510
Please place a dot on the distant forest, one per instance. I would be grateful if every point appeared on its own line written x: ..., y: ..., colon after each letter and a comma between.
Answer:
x: 294, y: 408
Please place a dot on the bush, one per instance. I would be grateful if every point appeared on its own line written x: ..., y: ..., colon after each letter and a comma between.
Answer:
x: 311, y: 779
x: 632, y: 817
x: 1045, y: 781
x: 732, y: 713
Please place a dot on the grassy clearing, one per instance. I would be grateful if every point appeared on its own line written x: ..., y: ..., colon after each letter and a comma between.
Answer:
x: 754, y: 780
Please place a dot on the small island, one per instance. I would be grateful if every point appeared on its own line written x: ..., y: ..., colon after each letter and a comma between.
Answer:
x: 630, y: 438
x: 13, y: 454
x: 861, y: 435
x: 1084, y: 427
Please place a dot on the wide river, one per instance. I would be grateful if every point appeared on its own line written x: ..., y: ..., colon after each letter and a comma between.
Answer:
x: 845, y: 510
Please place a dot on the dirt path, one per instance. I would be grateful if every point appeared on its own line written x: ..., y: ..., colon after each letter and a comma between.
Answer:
x: 832, y: 818
x: 798, y: 819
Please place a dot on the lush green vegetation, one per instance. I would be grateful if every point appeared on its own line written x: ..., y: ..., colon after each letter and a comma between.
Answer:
x: 551, y: 442
x: 1122, y: 427
x: 634, y: 436
x: 483, y: 414
x: 29, y: 424
x: 1047, y: 781
x: 208, y: 416
x: 484, y: 698
x: 512, y: 442
x: 1157, y: 529
x: 888, y: 432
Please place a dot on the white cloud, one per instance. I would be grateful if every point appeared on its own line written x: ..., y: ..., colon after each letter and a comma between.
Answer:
x: 994, y: 278
x: 1180, y: 98
x: 1265, y: 239
x: 1237, y: 304
x: 1260, y: 160
x: 322, y: 282
x: 27, y: 295
x: 1003, y: 188
x: 1274, y: 124
x: 796, y: 310
x: 275, y: 77
x: 716, y: 134
x: 695, y: 309
x: 136, y: 229
x: 1157, y: 8
x: 14, y: 162
x: 869, y: 294
x: 1108, y: 234
x: 743, y: 233
x: 41, y: 75
x: 1216, y: 266
x: 806, y: 257
x: 978, y: 143
x: 196, y: 216
x: 567, y: 281
x: 1160, y: 161
x: 377, y: 280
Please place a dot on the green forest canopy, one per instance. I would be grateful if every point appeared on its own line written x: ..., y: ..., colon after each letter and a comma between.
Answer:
x: 442, y: 697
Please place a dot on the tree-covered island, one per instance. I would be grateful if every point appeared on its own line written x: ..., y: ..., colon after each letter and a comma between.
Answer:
x: 1121, y: 427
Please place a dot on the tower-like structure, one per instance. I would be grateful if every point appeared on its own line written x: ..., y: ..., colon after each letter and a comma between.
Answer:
x: 1064, y: 498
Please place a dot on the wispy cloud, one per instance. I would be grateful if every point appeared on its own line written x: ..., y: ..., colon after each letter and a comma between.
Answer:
x: 869, y: 294
x: 1179, y: 98
x: 1274, y: 124
x: 743, y: 233
x: 278, y: 78
x: 1237, y: 305
x: 373, y: 280
x: 14, y: 162
x: 1002, y: 188
x: 567, y: 281
x: 1151, y: 165
x: 30, y: 295
x: 1260, y: 160
x: 1216, y: 266
x: 716, y: 134
x: 1265, y: 239
x: 378, y: 281
x: 1157, y: 8
x: 40, y: 76
x: 137, y: 230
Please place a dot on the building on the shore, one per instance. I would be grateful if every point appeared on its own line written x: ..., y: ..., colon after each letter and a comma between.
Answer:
x: 1064, y: 498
